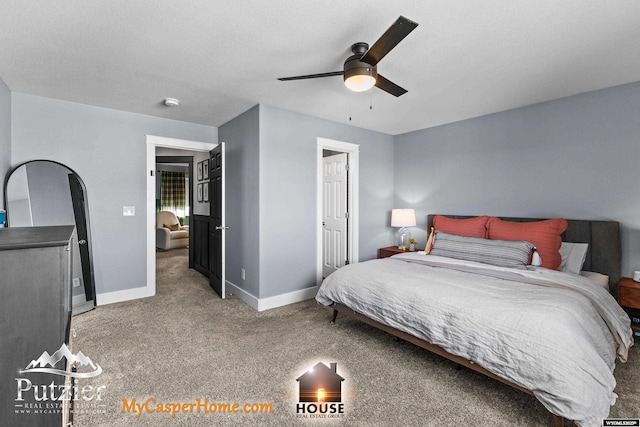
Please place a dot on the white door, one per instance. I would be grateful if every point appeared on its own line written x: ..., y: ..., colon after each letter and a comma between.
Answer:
x: 334, y: 213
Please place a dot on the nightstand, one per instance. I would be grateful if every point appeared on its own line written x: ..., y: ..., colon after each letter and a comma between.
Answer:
x: 629, y: 299
x: 392, y: 250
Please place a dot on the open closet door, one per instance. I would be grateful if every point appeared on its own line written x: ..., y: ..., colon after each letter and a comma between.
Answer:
x: 217, y: 226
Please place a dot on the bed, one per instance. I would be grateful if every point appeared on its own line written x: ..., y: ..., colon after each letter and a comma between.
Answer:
x: 551, y: 334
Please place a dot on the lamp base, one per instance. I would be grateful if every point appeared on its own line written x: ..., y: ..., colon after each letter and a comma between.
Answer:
x: 403, y: 238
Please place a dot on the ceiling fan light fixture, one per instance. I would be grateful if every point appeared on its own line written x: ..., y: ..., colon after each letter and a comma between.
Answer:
x: 360, y: 82
x: 359, y: 76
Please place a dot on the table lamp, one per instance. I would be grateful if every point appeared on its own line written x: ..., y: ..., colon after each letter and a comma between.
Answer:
x: 403, y: 218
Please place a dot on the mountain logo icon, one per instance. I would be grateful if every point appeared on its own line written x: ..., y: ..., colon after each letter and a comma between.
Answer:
x: 40, y: 364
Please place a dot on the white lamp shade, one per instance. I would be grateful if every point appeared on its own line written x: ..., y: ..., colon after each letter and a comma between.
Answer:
x: 403, y: 217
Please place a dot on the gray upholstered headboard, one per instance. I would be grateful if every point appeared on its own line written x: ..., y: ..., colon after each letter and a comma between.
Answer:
x: 604, y: 254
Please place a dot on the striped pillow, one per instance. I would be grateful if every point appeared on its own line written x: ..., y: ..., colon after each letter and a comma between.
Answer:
x: 503, y: 253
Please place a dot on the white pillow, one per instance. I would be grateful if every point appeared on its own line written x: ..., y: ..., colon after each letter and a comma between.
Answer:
x: 598, y: 278
x: 573, y: 256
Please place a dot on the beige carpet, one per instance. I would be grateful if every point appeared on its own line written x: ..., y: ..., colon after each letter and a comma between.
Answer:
x: 186, y: 343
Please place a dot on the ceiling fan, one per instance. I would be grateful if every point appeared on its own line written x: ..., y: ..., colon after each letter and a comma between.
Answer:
x: 360, y: 69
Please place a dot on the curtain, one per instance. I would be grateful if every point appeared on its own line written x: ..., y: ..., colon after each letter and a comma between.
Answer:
x: 173, y: 195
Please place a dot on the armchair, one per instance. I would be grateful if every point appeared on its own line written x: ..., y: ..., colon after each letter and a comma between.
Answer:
x: 169, y: 233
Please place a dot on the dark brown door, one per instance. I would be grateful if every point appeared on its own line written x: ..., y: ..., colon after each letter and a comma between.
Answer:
x: 216, y: 221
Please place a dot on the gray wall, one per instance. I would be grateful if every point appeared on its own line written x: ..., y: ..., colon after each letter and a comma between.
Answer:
x: 107, y: 149
x: 288, y: 216
x: 5, y: 134
x: 271, y: 196
x: 241, y: 137
x: 576, y: 157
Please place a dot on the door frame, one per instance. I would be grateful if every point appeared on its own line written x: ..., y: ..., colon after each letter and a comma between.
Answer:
x: 353, y: 201
x: 152, y: 143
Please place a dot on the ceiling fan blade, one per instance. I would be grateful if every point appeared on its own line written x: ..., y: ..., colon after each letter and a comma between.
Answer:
x: 311, y: 76
x: 394, y: 35
x: 389, y: 86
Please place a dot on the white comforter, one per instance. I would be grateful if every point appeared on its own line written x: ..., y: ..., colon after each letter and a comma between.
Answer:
x: 556, y: 334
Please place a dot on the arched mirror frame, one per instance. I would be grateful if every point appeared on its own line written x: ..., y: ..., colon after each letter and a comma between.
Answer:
x: 85, y: 205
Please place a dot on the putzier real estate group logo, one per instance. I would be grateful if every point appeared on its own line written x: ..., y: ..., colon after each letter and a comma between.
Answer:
x: 40, y: 364
x: 40, y: 394
x: 320, y: 392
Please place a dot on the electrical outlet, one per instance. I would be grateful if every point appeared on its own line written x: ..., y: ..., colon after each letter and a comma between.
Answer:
x: 76, y: 282
x: 128, y: 211
x: 242, y: 273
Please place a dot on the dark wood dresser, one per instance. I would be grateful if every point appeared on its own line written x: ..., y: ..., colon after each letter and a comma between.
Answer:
x: 35, y: 308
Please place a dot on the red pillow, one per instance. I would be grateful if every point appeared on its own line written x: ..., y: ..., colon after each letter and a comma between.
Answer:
x: 545, y: 236
x: 469, y: 227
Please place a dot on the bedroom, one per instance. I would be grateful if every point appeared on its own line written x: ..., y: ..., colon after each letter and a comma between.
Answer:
x: 574, y: 157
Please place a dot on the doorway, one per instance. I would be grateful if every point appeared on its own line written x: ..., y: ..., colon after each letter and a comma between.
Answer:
x: 338, y: 232
x: 169, y: 171
x: 152, y: 143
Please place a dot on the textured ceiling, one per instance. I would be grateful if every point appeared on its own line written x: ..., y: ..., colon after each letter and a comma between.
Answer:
x: 467, y: 58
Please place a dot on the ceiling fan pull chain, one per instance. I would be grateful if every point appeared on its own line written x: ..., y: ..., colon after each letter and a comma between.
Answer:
x: 349, y: 113
x: 370, y: 100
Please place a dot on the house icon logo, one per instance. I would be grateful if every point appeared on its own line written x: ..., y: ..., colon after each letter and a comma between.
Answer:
x: 320, y: 392
x: 320, y: 384
x: 47, y: 363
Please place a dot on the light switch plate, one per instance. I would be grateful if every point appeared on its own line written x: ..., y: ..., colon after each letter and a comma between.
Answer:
x: 128, y: 211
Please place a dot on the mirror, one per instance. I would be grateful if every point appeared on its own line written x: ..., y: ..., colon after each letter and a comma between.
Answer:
x: 42, y: 193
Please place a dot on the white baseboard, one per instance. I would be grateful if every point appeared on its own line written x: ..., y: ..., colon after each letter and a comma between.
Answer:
x: 271, y: 302
x: 126, y: 295
x: 241, y: 294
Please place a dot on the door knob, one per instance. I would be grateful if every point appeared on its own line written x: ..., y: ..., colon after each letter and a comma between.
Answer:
x: 82, y: 242
x: 221, y: 227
